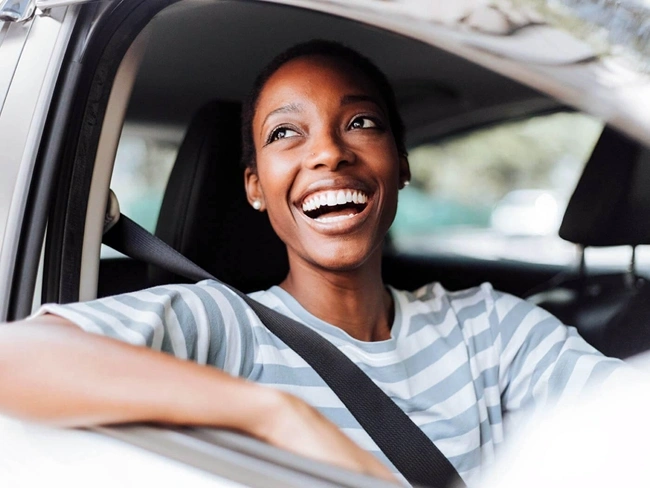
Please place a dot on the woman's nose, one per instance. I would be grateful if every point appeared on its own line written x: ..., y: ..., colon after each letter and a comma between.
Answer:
x: 328, y: 150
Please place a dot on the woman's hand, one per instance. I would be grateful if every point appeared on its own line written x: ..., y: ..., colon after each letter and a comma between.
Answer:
x: 297, y: 427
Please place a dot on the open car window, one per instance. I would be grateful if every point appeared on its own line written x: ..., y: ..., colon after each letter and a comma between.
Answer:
x: 145, y: 157
x: 496, y: 193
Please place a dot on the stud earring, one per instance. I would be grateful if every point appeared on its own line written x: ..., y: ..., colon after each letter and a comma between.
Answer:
x: 257, y: 204
x: 406, y: 183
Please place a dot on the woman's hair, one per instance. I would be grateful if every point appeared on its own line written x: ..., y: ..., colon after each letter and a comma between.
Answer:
x: 328, y: 49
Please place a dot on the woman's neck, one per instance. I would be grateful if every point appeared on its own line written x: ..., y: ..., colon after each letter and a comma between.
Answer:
x: 356, y: 301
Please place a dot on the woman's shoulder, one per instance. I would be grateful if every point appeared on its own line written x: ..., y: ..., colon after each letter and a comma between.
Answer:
x: 472, y: 309
x: 436, y: 292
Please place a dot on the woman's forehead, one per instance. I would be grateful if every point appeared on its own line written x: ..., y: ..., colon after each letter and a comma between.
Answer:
x: 314, y: 74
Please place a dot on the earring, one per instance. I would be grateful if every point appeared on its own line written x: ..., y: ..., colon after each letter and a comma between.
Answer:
x: 257, y: 204
x: 406, y: 183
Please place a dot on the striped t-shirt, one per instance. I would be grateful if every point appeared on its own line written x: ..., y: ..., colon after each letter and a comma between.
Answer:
x: 456, y: 362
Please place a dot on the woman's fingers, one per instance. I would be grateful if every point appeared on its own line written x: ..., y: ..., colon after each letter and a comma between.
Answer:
x: 301, y: 429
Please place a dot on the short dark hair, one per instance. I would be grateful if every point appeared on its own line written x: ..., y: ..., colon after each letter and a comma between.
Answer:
x: 331, y: 49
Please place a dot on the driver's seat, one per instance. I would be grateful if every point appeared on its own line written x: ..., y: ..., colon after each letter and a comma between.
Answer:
x: 205, y: 214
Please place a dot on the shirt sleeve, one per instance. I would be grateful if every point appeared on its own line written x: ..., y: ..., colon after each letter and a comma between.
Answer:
x: 542, y: 361
x: 206, y: 323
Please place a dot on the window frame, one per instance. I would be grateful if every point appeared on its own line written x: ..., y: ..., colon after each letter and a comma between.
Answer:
x: 36, y: 51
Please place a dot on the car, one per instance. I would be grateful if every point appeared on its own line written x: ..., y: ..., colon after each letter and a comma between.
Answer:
x: 528, y: 212
x: 112, y: 101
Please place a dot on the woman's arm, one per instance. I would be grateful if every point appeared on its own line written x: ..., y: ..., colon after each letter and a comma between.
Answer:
x: 47, y: 362
x: 50, y: 371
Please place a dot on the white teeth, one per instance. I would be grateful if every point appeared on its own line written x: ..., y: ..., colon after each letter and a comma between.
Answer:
x: 334, y: 219
x: 333, y: 198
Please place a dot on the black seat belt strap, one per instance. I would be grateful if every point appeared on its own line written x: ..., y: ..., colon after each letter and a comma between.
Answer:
x: 403, y: 442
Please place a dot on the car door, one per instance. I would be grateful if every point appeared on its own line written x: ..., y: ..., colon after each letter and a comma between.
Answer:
x: 13, y: 37
x: 34, y: 37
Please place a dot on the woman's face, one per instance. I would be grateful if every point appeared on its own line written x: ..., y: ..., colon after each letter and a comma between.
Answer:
x: 328, y: 170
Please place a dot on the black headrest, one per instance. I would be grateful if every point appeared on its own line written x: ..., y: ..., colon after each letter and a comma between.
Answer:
x: 611, y: 203
x: 205, y: 214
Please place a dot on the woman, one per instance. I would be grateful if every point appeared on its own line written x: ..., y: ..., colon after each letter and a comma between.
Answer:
x: 323, y: 145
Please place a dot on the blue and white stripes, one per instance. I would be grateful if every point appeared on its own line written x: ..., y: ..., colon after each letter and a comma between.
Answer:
x: 457, y: 362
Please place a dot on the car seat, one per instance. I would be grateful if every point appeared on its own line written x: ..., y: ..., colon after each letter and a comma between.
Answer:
x: 609, y: 207
x: 205, y: 214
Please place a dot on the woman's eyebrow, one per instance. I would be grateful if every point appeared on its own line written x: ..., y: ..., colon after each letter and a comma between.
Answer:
x: 289, y: 108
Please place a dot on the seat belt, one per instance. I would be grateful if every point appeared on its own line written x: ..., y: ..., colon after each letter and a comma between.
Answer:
x: 403, y: 442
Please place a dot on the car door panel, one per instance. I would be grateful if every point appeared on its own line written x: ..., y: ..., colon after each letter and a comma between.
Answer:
x: 40, y: 45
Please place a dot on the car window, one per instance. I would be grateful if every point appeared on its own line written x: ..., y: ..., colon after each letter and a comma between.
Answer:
x: 144, y: 160
x: 497, y: 192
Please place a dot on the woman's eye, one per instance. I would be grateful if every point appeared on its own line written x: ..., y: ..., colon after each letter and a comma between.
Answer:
x: 281, y: 133
x: 363, y: 123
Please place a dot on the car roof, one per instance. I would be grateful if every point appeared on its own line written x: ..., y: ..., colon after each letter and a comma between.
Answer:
x: 230, y: 43
x: 199, y: 51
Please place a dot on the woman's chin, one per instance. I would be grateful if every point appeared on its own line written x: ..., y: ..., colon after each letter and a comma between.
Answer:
x: 344, y: 258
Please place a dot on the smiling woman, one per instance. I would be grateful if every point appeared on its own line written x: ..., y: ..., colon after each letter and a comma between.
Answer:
x: 322, y: 135
x: 325, y: 158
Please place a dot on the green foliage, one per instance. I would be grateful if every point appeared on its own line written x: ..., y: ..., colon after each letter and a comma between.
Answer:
x: 479, y: 168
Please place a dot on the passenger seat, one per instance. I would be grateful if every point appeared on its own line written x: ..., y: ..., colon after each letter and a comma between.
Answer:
x: 612, y: 198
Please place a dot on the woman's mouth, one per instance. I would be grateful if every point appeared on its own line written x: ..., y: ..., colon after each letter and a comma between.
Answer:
x: 334, y: 205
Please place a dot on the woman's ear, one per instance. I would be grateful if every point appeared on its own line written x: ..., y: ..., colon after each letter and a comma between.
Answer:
x: 404, y: 172
x: 254, y: 192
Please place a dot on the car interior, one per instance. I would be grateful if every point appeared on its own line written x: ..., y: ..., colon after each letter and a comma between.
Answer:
x: 184, y: 71
x: 607, y: 309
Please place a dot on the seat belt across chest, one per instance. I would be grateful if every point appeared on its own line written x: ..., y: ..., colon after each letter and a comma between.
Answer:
x: 399, y: 438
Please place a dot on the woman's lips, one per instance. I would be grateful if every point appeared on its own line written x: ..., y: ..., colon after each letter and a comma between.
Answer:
x: 338, y: 218
x: 335, y: 205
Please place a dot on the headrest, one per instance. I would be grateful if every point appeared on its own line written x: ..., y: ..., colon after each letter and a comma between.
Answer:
x: 205, y: 214
x: 611, y: 203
